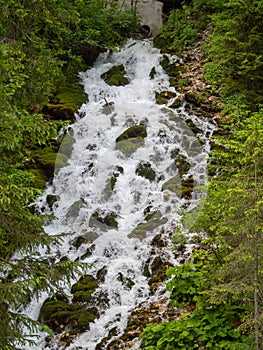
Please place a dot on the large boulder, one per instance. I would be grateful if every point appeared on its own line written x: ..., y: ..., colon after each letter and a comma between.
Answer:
x: 131, y: 139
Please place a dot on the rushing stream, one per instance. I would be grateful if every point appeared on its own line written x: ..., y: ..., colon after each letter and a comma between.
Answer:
x: 103, y: 193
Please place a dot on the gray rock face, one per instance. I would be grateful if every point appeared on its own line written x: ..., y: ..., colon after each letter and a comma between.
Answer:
x: 150, y: 12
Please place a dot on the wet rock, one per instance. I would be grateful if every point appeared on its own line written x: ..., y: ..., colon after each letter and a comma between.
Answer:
x: 126, y: 281
x: 104, y: 220
x: 164, y: 96
x: 152, y: 73
x: 145, y: 170
x: 74, y: 209
x: 110, y: 185
x: 101, y: 274
x: 181, y: 163
x: 193, y: 98
x: 136, y: 131
x: 115, y: 76
x: 66, y: 145
x: 51, y: 200
x: 131, y: 139
x: 83, y: 289
x: 193, y: 127
x: 176, y: 104
x: 78, y: 241
x: 58, y: 313
x: 172, y: 69
x: 88, y: 252
x: 143, y: 228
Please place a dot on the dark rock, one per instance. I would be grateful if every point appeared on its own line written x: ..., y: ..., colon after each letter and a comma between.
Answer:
x: 108, y: 220
x: 152, y: 73
x: 193, y: 127
x: 78, y: 241
x: 59, y: 112
x: 145, y: 170
x: 193, y: 98
x: 51, y: 200
x: 89, y: 252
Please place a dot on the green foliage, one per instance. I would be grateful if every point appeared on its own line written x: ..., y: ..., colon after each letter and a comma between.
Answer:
x: 208, y: 326
x: 235, y: 50
x: 41, y: 46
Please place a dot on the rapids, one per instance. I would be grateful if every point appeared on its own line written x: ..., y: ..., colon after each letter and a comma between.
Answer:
x: 84, y: 185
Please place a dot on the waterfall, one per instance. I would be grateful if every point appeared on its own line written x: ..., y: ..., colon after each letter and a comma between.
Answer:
x: 103, y: 194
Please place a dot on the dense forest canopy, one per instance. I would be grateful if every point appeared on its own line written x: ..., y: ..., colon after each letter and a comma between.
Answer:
x: 43, y: 45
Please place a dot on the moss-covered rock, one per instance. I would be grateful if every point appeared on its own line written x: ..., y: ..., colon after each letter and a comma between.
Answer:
x: 58, y: 313
x: 48, y: 161
x: 59, y: 112
x: 115, y: 76
x: 173, y: 185
x: 106, y: 219
x: 143, y: 228
x: 131, y: 139
x: 193, y: 127
x: 181, y: 162
x: 83, y: 289
x: 51, y: 200
x: 126, y: 281
x: 136, y: 131
x: 164, y: 96
x: 66, y: 145
x: 129, y: 146
x: 40, y: 177
x: 145, y: 170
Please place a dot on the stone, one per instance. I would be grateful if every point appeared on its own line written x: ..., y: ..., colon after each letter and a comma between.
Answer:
x: 51, y: 200
x: 83, y: 289
x: 57, y: 312
x: 104, y: 220
x: 131, y: 139
x: 143, y: 228
x: 144, y: 169
x: 74, y: 209
x: 133, y: 132
x: 115, y: 76
x: 164, y: 96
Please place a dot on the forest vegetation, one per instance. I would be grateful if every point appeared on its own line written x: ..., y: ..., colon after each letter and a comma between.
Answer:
x: 43, y: 45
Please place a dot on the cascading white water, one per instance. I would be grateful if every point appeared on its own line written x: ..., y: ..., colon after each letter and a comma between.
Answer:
x: 84, y: 182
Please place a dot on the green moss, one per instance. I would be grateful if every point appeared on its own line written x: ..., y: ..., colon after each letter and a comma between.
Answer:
x: 108, y: 219
x: 133, y: 132
x: 40, y: 179
x: 176, y: 104
x: 115, y: 76
x: 172, y: 69
x: 145, y: 170
x: 164, y: 96
x: 71, y: 95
